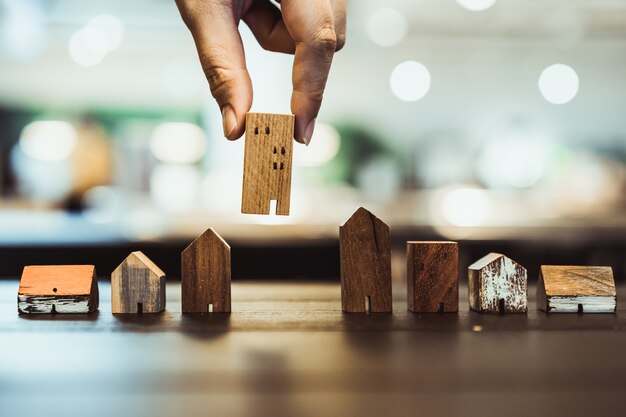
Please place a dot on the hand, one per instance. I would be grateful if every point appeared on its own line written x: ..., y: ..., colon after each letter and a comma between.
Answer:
x: 311, y: 29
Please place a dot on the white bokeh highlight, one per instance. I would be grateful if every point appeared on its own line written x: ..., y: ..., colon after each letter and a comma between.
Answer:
x: 48, y: 140
x: 465, y: 206
x: 323, y: 147
x: 386, y: 27
x: 558, y: 84
x: 177, y: 142
x: 476, y: 5
x: 111, y: 28
x: 410, y: 81
x: 87, y: 47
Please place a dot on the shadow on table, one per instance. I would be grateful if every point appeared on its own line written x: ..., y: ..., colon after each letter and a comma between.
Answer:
x: 205, y: 326
x: 368, y: 333
x: 143, y: 321
x: 84, y: 317
x: 509, y: 322
x: 432, y: 321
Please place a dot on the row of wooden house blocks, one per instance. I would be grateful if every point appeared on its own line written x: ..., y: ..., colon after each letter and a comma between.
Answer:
x: 496, y: 283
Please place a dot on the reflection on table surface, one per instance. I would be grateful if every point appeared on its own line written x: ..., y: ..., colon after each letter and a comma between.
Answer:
x: 288, y: 350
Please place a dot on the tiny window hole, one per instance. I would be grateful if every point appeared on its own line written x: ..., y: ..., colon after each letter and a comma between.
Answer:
x: 275, y: 165
x: 282, y: 150
x: 281, y: 166
x: 267, y: 130
x: 275, y: 149
x: 256, y: 130
x: 54, y: 290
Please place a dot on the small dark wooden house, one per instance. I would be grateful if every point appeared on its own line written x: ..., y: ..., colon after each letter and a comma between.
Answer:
x: 365, y: 254
x: 205, y: 275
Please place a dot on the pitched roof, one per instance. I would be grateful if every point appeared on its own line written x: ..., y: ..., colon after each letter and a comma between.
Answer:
x: 486, y: 260
x: 210, y: 232
x: 363, y: 213
x: 140, y: 257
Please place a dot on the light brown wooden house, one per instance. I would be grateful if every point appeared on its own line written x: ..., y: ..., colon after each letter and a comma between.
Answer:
x: 137, y: 286
x: 576, y: 289
x: 267, y: 163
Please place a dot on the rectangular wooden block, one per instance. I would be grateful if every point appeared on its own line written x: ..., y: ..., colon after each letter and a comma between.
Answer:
x: 497, y: 284
x: 432, y: 277
x: 137, y: 286
x: 576, y: 289
x: 365, y: 253
x: 205, y: 278
x: 58, y: 289
x: 267, y: 163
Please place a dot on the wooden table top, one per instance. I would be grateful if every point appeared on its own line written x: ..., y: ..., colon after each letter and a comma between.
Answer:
x: 288, y: 350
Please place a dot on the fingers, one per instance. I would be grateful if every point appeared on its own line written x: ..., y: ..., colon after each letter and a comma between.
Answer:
x: 214, y: 30
x: 266, y: 23
x: 312, y: 29
x: 311, y: 25
x: 339, y: 15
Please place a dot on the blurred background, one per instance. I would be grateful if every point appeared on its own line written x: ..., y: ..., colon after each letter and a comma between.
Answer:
x: 500, y: 124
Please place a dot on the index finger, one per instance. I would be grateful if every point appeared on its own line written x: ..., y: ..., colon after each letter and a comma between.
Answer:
x: 311, y: 25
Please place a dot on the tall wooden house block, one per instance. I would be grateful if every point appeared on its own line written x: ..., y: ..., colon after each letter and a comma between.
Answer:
x: 267, y: 163
x: 432, y: 277
x: 137, y: 286
x: 498, y: 284
x: 576, y: 289
x: 206, y: 275
x: 58, y: 289
x: 365, y: 254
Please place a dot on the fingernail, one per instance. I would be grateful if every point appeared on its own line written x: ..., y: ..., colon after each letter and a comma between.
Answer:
x: 229, y: 120
x: 308, y: 132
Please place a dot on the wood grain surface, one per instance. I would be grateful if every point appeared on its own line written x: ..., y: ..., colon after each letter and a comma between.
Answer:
x: 137, y: 286
x: 288, y: 350
x: 365, y: 261
x: 206, y: 275
x: 432, y: 277
x: 58, y: 289
x: 267, y: 163
x: 576, y: 289
x: 497, y: 284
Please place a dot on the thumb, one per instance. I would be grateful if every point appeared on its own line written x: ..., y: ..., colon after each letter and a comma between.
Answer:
x: 214, y: 30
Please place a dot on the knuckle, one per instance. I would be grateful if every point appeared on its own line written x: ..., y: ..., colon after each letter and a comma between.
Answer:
x: 219, y: 78
x: 341, y: 42
x: 314, y: 95
x: 325, y: 39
